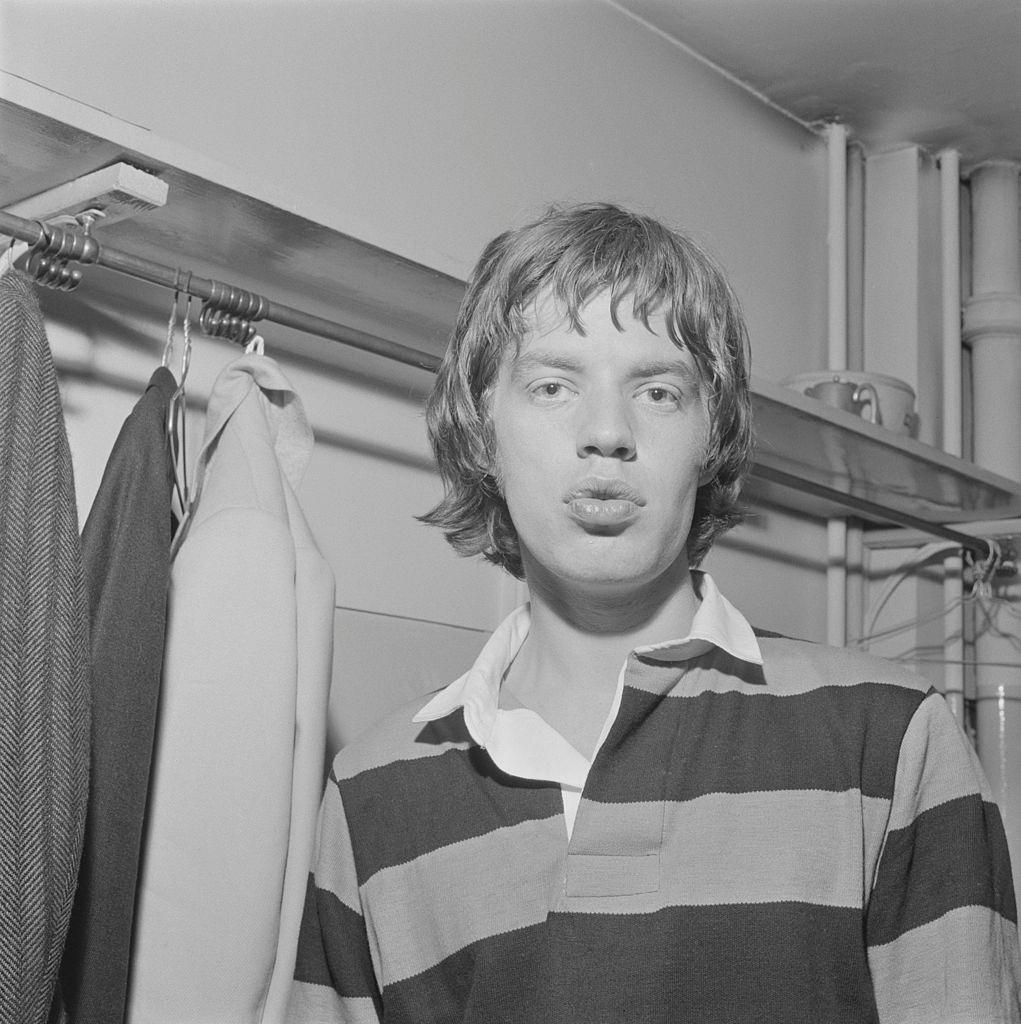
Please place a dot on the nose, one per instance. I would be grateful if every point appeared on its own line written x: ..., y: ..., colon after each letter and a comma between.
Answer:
x: 605, y: 429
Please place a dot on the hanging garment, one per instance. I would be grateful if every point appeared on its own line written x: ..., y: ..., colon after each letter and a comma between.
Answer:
x: 126, y: 548
x: 44, y: 676
x: 237, y: 773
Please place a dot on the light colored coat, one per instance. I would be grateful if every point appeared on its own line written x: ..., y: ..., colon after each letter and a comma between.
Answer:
x: 238, y: 767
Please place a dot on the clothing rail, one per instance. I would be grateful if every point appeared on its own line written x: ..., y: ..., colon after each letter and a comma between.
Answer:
x: 83, y: 247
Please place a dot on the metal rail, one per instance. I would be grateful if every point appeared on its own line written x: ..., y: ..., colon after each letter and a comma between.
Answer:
x: 230, y: 299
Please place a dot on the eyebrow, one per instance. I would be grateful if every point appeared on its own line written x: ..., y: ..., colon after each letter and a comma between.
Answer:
x: 544, y: 360
x: 536, y: 360
x: 666, y: 368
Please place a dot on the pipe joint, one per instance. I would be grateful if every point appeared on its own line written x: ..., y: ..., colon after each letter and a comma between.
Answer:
x: 992, y: 314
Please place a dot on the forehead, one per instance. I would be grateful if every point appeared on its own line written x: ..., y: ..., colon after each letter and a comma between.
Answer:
x: 548, y: 329
x: 546, y: 313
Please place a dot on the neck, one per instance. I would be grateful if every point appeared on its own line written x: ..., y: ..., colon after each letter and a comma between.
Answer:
x: 577, y: 641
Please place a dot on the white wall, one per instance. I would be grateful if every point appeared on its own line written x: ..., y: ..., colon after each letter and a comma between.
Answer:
x: 427, y: 127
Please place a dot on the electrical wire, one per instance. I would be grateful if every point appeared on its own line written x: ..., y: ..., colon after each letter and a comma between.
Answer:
x: 909, y: 624
x: 990, y: 608
x: 990, y: 611
x: 917, y: 560
x: 909, y: 660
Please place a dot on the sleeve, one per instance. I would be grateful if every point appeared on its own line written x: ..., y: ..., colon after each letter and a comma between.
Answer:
x: 334, y: 980
x: 941, y: 922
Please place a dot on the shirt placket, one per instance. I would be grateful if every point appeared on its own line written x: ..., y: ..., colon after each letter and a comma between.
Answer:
x: 614, y: 851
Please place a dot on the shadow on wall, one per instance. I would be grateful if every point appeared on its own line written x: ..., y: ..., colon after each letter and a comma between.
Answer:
x: 84, y: 331
x: 381, y: 663
x: 773, y: 567
x: 113, y: 309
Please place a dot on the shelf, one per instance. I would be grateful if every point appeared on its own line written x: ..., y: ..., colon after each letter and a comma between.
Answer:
x: 224, y: 223
x: 828, y: 449
x: 809, y: 457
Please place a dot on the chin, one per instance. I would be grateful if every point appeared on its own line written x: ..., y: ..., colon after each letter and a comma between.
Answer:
x: 613, y: 576
x: 603, y: 563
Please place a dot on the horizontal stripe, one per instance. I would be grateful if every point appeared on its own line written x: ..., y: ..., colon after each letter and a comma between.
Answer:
x: 808, y: 846
x: 963, y: 967
x: 951, y: 856
x: 725, y: 849
x: 421, y: 912
x: 607, y: 875
x: 407, y: 809
x: 335, y: 864
x: 333, y: 947
x: 679, y: 748
x: 504, y: 979
x: 924, y: 781
x: 398, y: 738
x: 714, y: 670
x: 313, y: 1003
x: 790, y: 667
x: 797, y: 666
x: 621, y: 830
x: 797, y: 964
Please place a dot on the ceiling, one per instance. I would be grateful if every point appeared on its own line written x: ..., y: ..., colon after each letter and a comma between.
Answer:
x: 938, y: 73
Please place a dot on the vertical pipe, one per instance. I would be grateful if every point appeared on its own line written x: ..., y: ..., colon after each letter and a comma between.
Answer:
x: 855, y: 546
x: 950, y: 238
x: 855, y: 258
x: 836, y: 278
x: 836, y: 244
x: 836, y: 582
x: 950, y: 234
x: 992, y: 328
x: 993, y: 318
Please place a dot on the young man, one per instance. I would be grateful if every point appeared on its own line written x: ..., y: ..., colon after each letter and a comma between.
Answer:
x: 632, y: 808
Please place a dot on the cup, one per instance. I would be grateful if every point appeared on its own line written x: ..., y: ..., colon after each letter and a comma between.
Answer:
x: 847, y: 395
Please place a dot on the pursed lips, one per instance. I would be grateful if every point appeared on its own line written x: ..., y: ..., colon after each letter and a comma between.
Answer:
x: 604, y: 489
x: 603, y: 503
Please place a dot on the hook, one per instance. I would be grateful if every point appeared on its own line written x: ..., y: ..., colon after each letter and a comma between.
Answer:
x: 168, y: 348
x: 218, y: 323
x: 186, y: 330
x: 177, y: 410
x: 13, y: 252
x: 55, y: 248
x: 51, y: 273
x: 230, y: 313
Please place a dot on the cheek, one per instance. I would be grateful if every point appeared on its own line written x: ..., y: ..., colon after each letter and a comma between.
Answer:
x: 513, y: 471
x: 520, y: 449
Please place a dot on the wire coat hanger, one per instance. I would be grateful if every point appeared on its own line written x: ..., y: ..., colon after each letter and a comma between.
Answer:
x: 177, y: 409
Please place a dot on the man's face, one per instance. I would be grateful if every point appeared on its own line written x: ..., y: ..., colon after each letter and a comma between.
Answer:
x: 600, y: 441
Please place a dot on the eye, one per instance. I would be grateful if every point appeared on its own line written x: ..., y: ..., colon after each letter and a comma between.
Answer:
x: 659, y: 394
x: 549, y: 391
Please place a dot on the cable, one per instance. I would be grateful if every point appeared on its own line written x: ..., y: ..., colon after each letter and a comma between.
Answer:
x: 990, y: 610
x: 906, y: 658
x: 903, y: 627
x: 919, y: 558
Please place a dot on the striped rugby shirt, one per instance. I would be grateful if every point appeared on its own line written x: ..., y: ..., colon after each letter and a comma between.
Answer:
x: 771, y: 830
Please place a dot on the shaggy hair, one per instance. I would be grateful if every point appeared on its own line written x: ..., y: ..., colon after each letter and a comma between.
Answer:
x: 572, y: 255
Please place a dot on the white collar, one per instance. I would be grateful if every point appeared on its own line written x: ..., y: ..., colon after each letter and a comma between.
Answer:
x: 521, y: 742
